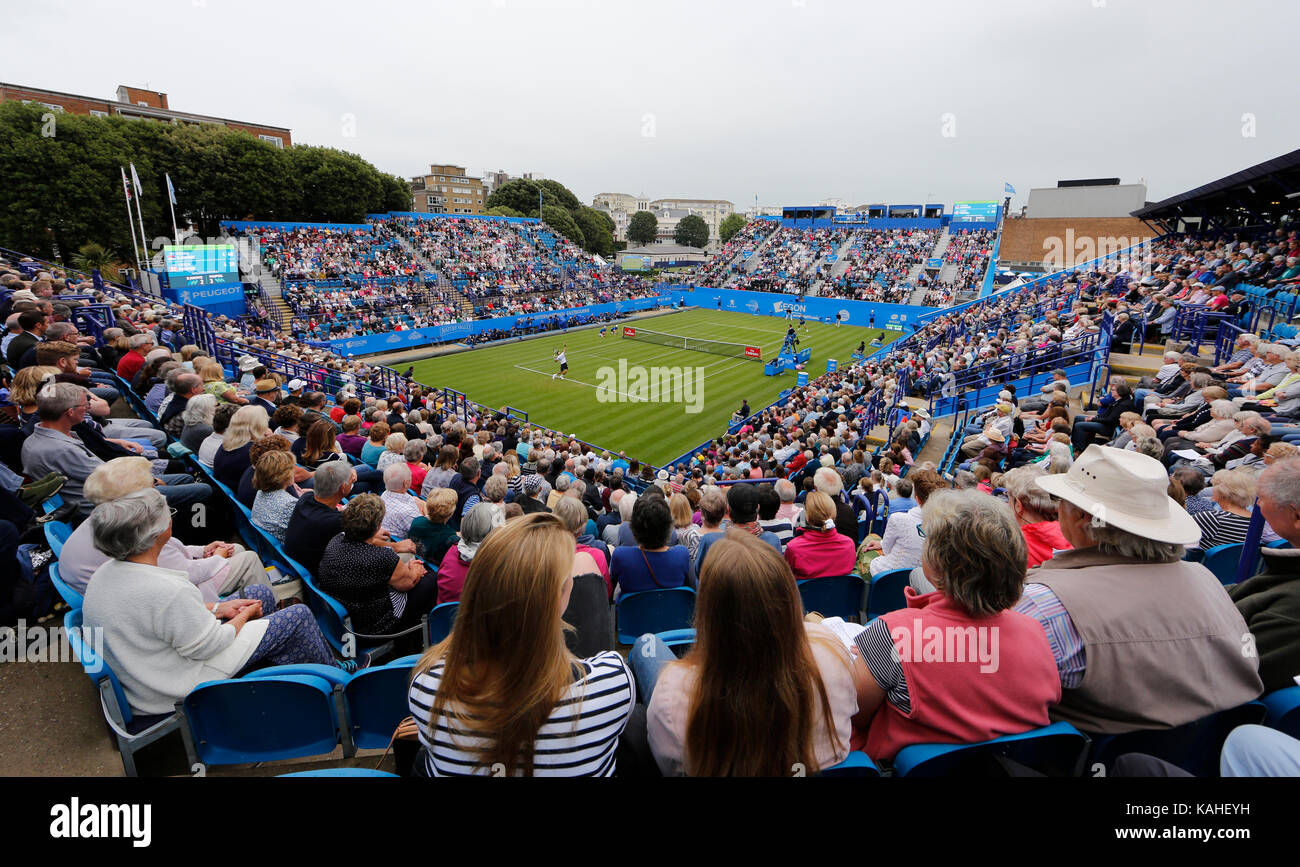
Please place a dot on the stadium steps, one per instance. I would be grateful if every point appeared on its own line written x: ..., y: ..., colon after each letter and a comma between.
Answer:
x: 941, y: 245
x: 282, y: 313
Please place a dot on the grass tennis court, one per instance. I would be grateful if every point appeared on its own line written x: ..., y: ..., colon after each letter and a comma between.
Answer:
x: 614, y: 398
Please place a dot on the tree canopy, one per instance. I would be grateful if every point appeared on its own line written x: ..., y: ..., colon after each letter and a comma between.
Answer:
x: 730, y: 225
x: 63, y: 185
x: 643, y: 228
x: 692, y: 231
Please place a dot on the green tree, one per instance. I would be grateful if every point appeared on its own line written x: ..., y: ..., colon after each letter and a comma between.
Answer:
x: 562, y: 221
x: 397, y: 193
x: 519, y: 195
x: 730, y: 225
x: 93, y: 256
x: 558, y: 194
x: 643, y: 228
x: 597, y: 230
x: 692, y: 231
x: 503, y: 211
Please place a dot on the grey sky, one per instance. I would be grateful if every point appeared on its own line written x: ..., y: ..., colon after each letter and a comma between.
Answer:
x: 787, y: 100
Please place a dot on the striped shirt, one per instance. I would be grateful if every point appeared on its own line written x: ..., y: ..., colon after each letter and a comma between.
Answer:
x: 1040, y: 603
x: 580, y: 739
x: 1225, y: 528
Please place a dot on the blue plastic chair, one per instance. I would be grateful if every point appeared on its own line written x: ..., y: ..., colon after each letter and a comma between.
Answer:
x: 1222, y: 560
x: 263, y: 718
x: 70, y: 596
x: 56, y: 533
x: 341, y: 772
x: 1194, y: 747
x: 376, y: 701
x: 1282, y: 710
x: 441, y: 620
x: 835, y: 596
x: 1054, y: 750
x: 654, y: 611
x: 886, y: 592
x: 857, y: 765
x: 1278, y: 543
x: 133, y: 731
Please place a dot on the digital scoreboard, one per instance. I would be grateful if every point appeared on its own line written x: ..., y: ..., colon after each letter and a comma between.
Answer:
x: 975, y: 212
x: 201, y: 264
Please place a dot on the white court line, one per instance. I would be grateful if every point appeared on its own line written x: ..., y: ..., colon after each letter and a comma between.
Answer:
x: 631, y: 397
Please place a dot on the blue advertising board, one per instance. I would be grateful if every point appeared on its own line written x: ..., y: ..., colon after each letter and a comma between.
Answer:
x: 802, y: 378
x: 396, y: 340
x: 226, y: 299
x: 974, y: 212
x: 864, y: 314
x: 831, y: 365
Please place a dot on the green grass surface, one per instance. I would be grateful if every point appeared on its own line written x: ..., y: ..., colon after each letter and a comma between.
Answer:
x: 603, y: 410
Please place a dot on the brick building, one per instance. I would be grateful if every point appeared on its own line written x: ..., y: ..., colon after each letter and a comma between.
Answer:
x: 448, y: 190
x: 137, y: 104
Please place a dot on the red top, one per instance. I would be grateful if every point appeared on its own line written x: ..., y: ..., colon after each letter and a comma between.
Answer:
x: 820, y: 554
x: 964, y: 688
x: 1042, y: 539
x: 451, y: 576
x: 130, y: 365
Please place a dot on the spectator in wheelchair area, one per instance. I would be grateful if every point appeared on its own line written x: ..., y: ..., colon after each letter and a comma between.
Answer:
x: 974, y: 553
x: 525, y: 706
x: 1143, y: 638
x: 160, y: 636
x: 758, y: 673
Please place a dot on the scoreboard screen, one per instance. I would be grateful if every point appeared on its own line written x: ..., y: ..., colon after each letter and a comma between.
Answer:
x: 201, y: 264
x: 975, y: 212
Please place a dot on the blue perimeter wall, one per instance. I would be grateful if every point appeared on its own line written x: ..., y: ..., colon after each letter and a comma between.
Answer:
x: 893, y: 317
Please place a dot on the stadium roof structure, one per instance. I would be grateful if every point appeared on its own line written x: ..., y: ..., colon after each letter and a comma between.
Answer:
x: 1259, y: 194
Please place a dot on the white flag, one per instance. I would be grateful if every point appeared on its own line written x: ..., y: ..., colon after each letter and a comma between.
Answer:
x: 135, y: 179
x: 171, y: 191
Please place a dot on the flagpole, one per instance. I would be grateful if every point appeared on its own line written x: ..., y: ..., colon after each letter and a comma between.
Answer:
x: 171, y: 203
x: 126, y: 191
x: 139, y: 213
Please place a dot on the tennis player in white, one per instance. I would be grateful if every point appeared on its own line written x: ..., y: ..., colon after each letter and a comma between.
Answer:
x: 563, y: 360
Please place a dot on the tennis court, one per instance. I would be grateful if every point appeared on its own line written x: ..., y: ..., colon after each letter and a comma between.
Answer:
x: 651, y: 400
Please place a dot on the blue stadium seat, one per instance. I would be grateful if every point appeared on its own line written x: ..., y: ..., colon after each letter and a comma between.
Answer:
x: 273, y: 716
x: 341, y: 772
x: 1194, y: 747
x: 70, y: 596
x: 886, y: 592
x: 676, y: 638
x: 133, y: 731
x: 841, y: 596
x: 56, y: 533
x: 856, y: 765
x: 1282, y: 710
x: 441, y: 619
x: 654, y: 611
x: 1054, y: 750
x: 375, y: 699
x: 1222, y: 560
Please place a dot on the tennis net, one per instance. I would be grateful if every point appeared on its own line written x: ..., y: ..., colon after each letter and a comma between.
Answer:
x: 696, y: 344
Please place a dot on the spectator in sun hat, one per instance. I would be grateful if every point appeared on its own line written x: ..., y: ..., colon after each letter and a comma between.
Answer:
x: 267, y: 395
x: 1142, y: 638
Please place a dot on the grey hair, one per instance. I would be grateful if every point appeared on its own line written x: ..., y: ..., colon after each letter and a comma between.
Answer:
x: 828, y: 482
x: 1021, y: 487
x: 130, y: 525
x: 1222, y: 408
x: 785, y: 490
x: 572, y: 513
x: 415, y: 451
x: 1121, y: 543
x: 481, y: 520
x: 1281, y: 482
x: 562, y: 483
x: 625, y: 505
x: 397, y: 478
x: 200, y: 409
x: 331, y: 476
x: 144, y: 338
x: 494, y: 489
x: 1235, y: 486
x: 55, y: 398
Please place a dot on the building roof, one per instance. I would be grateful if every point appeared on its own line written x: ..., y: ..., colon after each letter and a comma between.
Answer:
x: 1261, y: 191
x: 664, y: 250
x: 144, y: 109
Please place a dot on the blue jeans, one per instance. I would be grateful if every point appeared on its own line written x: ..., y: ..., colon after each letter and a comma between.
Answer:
x: 181, y: 491
x: 1139, y: 395
x: 1258, y: 751
x: 648, y: 657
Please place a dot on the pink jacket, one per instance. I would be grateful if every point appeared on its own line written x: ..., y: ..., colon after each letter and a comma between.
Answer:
x: 820, y: 554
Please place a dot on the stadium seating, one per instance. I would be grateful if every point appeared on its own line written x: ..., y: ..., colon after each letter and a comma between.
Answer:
x: 886, y: 592
x: 654, y: 611
x: 1282, y: 710
x: 839, y: 596
x: 375, y: 699
x: 1055, y: 750
x: 1194, y: 747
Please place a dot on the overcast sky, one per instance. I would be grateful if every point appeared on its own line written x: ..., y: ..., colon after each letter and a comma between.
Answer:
x: 789, y: 101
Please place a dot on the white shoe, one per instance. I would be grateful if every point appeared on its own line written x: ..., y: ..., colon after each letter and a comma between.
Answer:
x: 552, y: 376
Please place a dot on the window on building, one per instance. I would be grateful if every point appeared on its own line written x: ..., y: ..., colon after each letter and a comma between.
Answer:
x: 273, y: 139
x: 94, y: 112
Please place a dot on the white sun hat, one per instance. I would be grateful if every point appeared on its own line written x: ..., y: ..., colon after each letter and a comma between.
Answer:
x: 1127, y: 490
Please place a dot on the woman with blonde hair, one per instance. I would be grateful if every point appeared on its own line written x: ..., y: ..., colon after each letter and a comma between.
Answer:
x: 249, y: 424
x: 502, y: 695
x: 762, y: 693
x: 688, y: 532
x: 394, y: 452
x: 214, y: 382
x: 277, y: 496
x: 514, y: 473
x: 820, y: 551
